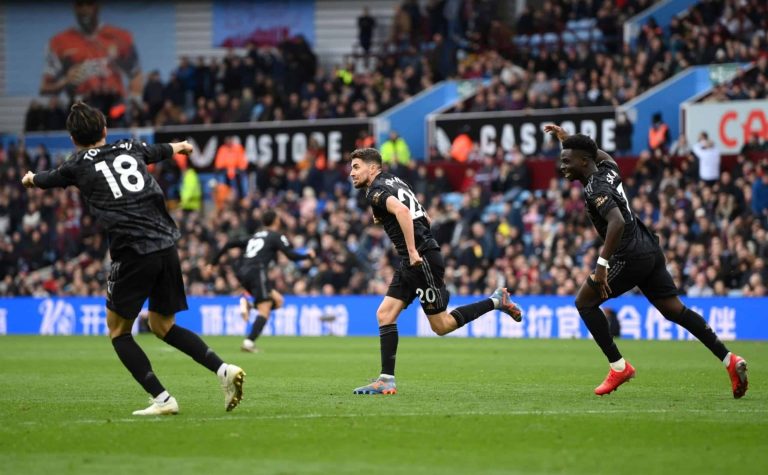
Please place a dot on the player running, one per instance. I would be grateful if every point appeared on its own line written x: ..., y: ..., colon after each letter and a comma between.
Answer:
x: 421, y: 269
x: 129, y: 204
x: 260, y: 250
x: 631, y: 256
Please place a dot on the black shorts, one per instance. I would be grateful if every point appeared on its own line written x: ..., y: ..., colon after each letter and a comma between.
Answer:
x: 424, y: 282
x: 254, y: 280
x: 648, y: 272
x: 134, y: 278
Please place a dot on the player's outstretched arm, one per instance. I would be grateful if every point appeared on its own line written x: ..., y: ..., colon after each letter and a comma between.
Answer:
x: 181, y: 147
x: 60, y: 177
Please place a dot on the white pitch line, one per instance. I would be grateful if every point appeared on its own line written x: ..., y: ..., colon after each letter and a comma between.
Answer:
x: 548, y: 412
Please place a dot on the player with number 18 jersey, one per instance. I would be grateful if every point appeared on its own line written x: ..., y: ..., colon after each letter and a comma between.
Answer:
x: 129, y: 204
x: 120, y: 193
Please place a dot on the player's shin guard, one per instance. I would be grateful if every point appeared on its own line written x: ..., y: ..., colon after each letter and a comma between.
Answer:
x: 467, y: 313
x: 597, y: 324
x: 136, y: 361
x: 695, y: 323
x: 388, y: 338
x: 191, y: 344
x: 257, y: 328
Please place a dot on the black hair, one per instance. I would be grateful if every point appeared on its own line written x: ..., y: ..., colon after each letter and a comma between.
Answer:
x: 368, y: 155
x: 268, y: 217
x: 583, y: 143
x: 85, y: 124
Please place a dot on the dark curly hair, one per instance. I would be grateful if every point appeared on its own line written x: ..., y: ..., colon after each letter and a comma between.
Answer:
x: 583, y: 143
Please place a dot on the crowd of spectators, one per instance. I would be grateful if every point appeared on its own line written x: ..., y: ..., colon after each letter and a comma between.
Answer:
x: 608, y: 73
x: 262, y: 84
x: 495, y: 232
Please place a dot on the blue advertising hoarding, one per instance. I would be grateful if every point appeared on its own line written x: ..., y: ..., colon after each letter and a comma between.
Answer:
x: 545, y: 317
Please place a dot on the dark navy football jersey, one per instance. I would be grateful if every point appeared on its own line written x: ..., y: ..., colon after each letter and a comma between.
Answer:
x: 386, y: 185
x: 120, y: 193
x: 604, y: 191
x: 260, y: 250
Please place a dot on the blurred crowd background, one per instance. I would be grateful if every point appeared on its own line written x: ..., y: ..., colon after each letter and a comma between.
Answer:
x: 494, y: 230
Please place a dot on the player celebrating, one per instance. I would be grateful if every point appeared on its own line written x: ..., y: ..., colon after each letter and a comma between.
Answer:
x: 631, y: 256
x: 251, y: 270
x: 127, y: 201
x: 421, y: 269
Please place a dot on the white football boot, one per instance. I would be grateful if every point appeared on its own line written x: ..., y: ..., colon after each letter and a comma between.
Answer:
x: 167, y: 408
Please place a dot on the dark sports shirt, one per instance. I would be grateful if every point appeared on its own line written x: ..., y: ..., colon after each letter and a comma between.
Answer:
x: 121, y: 194
x: 386, y: 185
x: 604, y: 191
x: 260, y: 250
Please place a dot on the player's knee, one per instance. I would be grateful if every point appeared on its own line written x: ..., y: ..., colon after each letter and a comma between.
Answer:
x: 384, y: 316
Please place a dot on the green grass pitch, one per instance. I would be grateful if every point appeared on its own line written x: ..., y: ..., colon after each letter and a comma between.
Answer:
x: 466, y: 406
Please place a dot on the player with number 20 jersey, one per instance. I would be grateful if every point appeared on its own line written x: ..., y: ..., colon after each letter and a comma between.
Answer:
x: 421, y: 270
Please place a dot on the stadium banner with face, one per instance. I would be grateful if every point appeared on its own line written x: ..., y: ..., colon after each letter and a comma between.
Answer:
x: 283, y: 143
x: 732, y: 318
x: 493, y: 130
x: 79, y: 48
x: 262, y: 22
x: 729, y: 124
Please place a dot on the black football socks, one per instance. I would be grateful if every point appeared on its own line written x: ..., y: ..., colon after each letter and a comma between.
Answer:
x: 695, y: 323
x: 388, y: 337
x: 467, y: 313
x: 257, y: 328
x: 136, y: 361
x: 191, y: 344
x: 597, y: 324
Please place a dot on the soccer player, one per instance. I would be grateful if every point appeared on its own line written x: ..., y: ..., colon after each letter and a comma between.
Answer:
x: 631, y: 256
x: 421, y: 268
x: 260, y: 251
x: 129, y: 204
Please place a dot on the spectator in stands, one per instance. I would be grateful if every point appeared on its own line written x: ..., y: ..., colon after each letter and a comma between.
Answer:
x: 623, y: 133
x: 709, y: 159
x: 395, y: 151
x: 680, y: 147
x: 760, y: 196
x: 365, y: 26
x: 755, y: 144
x: 230, y: 162
x: 658, y: 134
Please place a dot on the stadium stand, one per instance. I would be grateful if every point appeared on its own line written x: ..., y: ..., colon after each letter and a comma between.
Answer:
x: 496, y: 231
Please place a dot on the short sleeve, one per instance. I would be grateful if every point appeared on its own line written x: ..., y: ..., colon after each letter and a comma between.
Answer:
x: 377, y: 197
x: 601, y: 199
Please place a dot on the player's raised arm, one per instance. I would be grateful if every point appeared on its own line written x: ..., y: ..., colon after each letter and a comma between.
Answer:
x: 561, y: 135
x: 164, y: 151
x: 403, y: 216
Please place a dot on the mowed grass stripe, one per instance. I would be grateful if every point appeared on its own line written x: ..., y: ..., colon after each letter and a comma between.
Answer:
x: 465, y: 406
